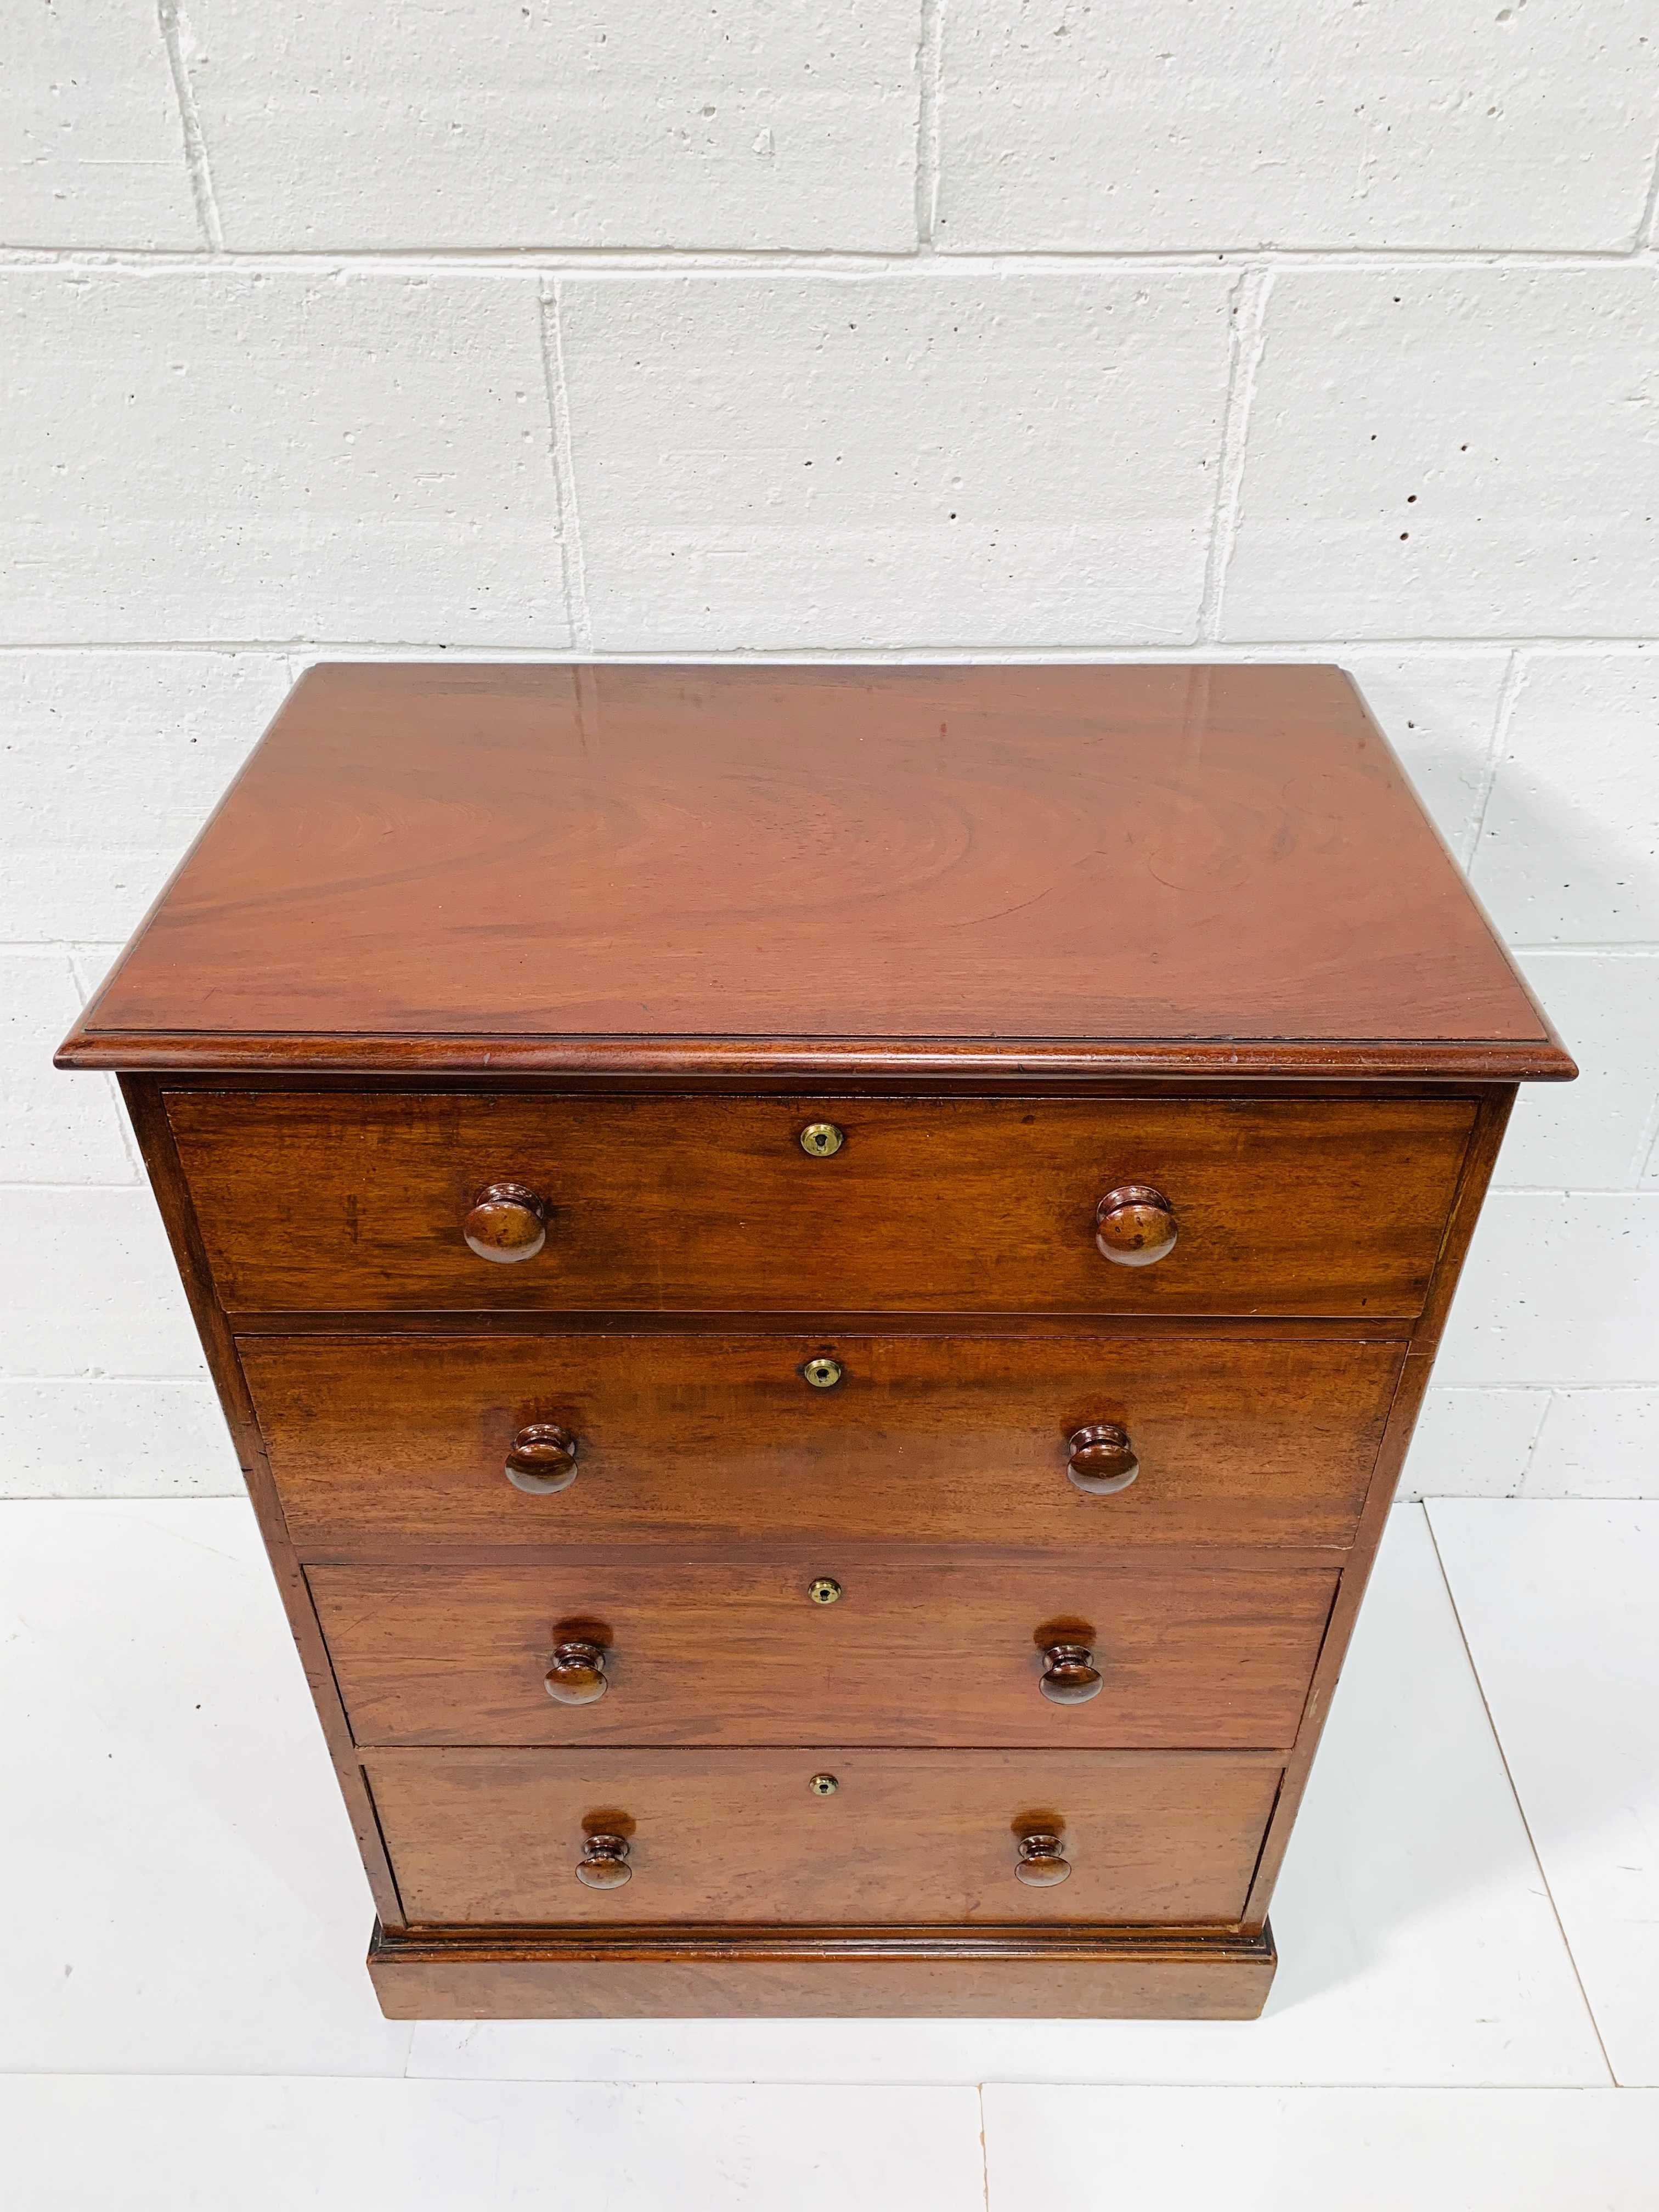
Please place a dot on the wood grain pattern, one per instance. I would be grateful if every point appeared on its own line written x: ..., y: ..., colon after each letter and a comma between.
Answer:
x: 480, y: 1836
x: 930, y: 1649
x: 683, y: 1972
x: 988, y: 1205
x: 1204, y: 854
x: 382, y: 1441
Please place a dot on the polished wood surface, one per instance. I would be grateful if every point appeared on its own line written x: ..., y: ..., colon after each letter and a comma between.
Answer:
x: 1070, y: 1676
x: 505, y: 1223
x: 1215, y: 1652
x: 540, y: 1460
x: 480, y: 1835
x: 787, y: 1971
x: 1196, y: 855
x: 576, y: 1672
x: 719, y: 1438
x: 1136, y: 1226
x: 357, y: 1203
x: 821, y: 1278
x: 1101, y: 1459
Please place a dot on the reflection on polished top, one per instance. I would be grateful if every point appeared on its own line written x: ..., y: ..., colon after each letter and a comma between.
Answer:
x: 768, y: 869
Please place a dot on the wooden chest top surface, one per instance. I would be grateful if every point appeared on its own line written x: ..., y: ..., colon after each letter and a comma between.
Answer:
x: 1185, y: 869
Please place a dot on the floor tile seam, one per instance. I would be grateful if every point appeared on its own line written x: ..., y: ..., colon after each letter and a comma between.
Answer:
x: 1287, y: 2084
x: 888, y: 2086
x: 1613, y: 2081
x: 734, y: 2084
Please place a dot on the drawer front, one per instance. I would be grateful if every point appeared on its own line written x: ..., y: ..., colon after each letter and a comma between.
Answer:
x: 346, y: 1202
x: 1214, y: 1653
x: 927, y: 1439
x: 912, y: 1837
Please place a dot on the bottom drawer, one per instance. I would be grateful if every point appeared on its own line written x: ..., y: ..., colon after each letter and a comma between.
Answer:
x: 1150, y: 1837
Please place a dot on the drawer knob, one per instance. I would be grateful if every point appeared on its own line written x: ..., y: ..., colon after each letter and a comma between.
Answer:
x: 1040, y: 1864
x: 507, y: 1222
x: 604, y: 1862
x: 577, y: 1675
x: 1070, y: 1676
x: 543, y: 1459
x: 1135, y: 1225
x: 1101, y: 1459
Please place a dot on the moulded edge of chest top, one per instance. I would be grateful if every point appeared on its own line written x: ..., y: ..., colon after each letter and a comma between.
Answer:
x: 873, y: 1065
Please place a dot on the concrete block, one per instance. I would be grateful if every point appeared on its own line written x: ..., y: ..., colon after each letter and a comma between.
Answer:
x: 1570, y: 850
x: 1557, y: 1288
x: 575, y: 122
x: 78, y: 1437
x: 241, y: 456
x: 88, y: 1287
x: 54, y: 1128
x: 937, y: 459
x: 1440, y: 452
x: 1439, y: 711
x: 1593, y: 1134
x: 92, y: 146
x: 1597, y: 1443
x: 1473, y: 1443
x: 1200, y: 124
x: 113, y: 761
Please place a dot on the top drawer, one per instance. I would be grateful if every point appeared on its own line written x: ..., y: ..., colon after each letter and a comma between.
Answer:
x: 342, y: 1202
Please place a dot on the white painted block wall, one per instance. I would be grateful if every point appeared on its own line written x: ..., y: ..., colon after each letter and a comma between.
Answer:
x: 1231, y: 329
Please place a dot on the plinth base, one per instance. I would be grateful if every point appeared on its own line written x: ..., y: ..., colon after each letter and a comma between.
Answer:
x: 907, y: 1973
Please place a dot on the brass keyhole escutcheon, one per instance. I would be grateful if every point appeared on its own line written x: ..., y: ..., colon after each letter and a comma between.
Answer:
x: 823, y: 1374
x: 825, y: 1591
x: 824, y: 1786
x: 820, y: 1138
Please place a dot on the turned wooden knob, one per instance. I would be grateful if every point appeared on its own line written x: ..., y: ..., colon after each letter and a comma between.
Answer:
x: 577, y: 1675
x: 1040, y: 1865
x: 1135, y: 1225
x: 507, y: 1222
x: 1070, y: 1676
x: 1101, y: 1459
x: 543, y: 1459
x: 604, y: 1862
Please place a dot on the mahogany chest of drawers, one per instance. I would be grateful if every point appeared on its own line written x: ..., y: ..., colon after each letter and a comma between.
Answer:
x: 821, y: 1278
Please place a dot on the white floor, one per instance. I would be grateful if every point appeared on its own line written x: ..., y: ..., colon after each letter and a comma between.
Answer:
x: 1467, y: 2013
